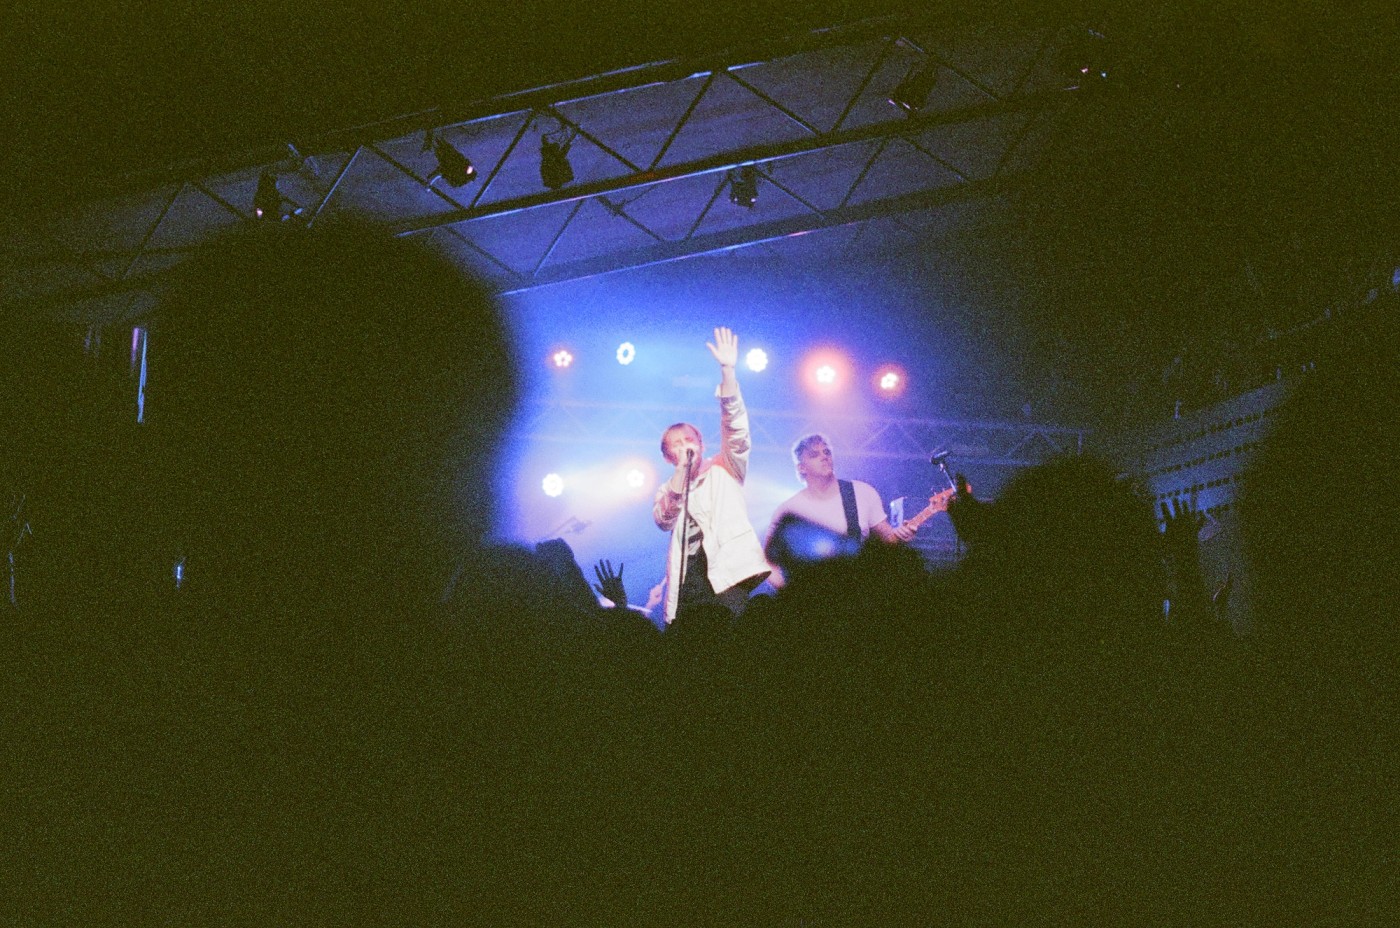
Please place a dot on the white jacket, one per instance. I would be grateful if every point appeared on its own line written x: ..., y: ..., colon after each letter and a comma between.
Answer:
x: 732, y: 548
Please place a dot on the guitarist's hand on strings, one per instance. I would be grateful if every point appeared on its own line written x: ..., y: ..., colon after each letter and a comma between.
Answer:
x: 903, y: 533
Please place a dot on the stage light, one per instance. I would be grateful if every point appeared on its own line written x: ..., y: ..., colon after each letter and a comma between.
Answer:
x: 635, y: 478
x: 561, y: 359
x: 452, y: 166
x: 890, y: 381
x: 756, y: 359
x: 743, y: 186
x: 555, y: 170
x: 912, y: 93
x: 626, y: 353
x: 267, y: 202
x: 827, y: 371
x: 553, y: 485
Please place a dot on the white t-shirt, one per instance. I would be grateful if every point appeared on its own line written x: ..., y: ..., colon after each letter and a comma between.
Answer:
x: 828, y: 510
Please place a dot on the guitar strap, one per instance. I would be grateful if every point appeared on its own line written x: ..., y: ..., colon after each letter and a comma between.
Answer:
x: 848, y: 501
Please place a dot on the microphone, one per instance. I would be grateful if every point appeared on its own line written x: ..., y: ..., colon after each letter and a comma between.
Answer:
x: 940, y: 458
x: 689, y: 456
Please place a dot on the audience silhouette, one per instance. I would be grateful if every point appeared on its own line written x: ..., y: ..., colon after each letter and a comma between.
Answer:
x: 354, y: 710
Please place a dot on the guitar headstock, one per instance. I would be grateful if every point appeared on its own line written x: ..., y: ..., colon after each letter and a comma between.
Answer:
x: 938, y: 502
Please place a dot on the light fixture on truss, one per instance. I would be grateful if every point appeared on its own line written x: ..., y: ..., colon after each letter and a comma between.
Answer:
x: 743, y: 186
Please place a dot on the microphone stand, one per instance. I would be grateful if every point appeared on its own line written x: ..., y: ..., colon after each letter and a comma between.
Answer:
x: 685, y: 527
x: 943, y: 466
x: 941, y: 459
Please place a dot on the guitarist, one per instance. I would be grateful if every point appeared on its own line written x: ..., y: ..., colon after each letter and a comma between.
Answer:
x: 847, y: 507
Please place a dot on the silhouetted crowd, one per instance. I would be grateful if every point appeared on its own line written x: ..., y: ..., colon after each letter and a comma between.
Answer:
x: 351, y: 709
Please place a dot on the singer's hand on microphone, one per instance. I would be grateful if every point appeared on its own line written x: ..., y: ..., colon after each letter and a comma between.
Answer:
x: 677, y: 481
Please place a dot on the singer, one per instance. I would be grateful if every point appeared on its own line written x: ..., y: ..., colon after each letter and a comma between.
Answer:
x: 702, y: 504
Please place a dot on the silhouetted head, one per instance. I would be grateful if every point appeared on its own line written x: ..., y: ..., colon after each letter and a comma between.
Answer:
x: 327, y: 393
x: 1318, y: 517
x: 1072, y: 537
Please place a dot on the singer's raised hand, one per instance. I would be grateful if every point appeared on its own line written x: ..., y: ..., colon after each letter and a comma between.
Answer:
x: 725, y: 347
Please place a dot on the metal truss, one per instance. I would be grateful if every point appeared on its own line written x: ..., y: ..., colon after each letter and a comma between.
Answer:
x: 653, y: 149
x: 773, y: 432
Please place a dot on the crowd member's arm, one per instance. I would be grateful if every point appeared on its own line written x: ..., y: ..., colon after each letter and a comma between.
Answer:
x: 1190, y: 603
x: 775, y: 577
x: 970, y: 516
x: 657, y: 596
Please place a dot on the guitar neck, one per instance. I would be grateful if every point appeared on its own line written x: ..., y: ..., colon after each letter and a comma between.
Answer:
x: 936, y: 504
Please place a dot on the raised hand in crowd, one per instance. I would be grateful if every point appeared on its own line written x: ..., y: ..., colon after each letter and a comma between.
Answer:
x: 609, y: 584
x: 1181, y: 525
x: 656, y: 596
x: 1181, y: 529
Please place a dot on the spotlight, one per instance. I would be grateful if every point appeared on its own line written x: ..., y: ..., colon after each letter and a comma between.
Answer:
x: 827, y: 371
x: 452, y: 166
x: 561, y: 358
x: 635, y: 478
x: 626, y: 353
x: 267, y: 202
x: 555, y: 170
x: 553, y: 485
x: 743, y: 186
x: 756, y: 359
x: 891, y: 381
x: 912, y: 93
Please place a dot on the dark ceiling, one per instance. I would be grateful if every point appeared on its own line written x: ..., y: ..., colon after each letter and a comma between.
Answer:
x: 1235, y: 175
